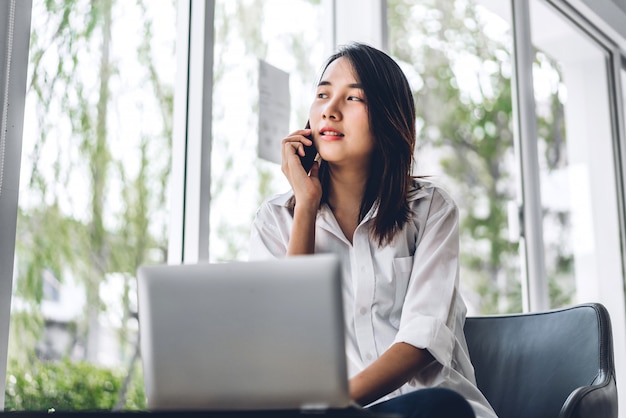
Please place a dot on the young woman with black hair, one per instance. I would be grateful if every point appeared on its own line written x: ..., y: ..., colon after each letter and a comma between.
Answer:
x: 397, y: 237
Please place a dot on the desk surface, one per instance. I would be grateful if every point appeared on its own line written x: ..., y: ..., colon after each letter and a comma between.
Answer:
x: 340, y: 413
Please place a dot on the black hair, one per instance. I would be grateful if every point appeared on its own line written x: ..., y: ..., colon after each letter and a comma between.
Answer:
x: 391, y: 111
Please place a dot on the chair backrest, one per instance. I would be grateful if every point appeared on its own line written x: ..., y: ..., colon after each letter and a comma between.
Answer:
x: 527, y: 365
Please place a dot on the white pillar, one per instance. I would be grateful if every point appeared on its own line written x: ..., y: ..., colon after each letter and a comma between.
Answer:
x: 534, y: 281
x: 356, y: 21
x: 14, y: 41
x: 190, y: 182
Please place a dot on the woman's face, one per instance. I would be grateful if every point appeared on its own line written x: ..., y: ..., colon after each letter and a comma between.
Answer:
x: 339, y: 117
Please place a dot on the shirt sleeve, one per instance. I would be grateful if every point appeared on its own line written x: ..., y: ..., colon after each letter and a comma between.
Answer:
x: 265, y: 237
x: 428, y: 312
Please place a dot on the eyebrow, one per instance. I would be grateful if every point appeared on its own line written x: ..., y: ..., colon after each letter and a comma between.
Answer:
x: 352, y: 86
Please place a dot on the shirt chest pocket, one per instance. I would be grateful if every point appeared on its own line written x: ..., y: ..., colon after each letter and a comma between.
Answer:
x: 392, y: 290
x: 402, y: 268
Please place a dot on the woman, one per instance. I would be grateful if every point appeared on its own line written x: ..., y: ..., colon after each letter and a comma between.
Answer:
x: 397, y: 237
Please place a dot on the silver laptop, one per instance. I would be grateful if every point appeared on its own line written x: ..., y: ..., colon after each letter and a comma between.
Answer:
x: 243, y: 335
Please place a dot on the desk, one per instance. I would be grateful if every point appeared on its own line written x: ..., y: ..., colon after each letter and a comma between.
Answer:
x: 339, y: 413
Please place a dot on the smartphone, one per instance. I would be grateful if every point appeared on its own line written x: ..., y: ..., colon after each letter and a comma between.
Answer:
x: 309, y: 153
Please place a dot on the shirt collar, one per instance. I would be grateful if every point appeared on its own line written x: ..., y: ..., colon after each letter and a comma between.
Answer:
x: 281, y: 199
x: 418, y: 191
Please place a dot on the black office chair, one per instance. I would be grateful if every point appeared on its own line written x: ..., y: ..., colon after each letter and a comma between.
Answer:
x: 548, y: 364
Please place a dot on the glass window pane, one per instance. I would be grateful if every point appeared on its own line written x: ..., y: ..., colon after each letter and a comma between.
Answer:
x: 457, y: 56
x: 287, y: 35
x: 93, y: 200
x: 578, y: 177
x: 581, y: 227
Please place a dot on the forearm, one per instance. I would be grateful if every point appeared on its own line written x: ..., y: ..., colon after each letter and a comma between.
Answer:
x: 394, y: 368
x: 302, y: 239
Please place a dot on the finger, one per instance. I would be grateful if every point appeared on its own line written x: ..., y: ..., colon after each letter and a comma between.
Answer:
x: 293, y: 147
x: 303, y: 132
x: 297, y: 139
x: 300, y: 149
x: 297, y: 143
x: 315, y: 169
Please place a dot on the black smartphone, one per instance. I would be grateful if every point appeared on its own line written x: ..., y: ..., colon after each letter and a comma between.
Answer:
x: 309, y: 153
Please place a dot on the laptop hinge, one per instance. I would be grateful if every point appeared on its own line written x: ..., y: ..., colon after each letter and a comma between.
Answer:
x: 314, y: 407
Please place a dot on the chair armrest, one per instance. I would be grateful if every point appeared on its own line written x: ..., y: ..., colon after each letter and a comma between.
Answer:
x: 594, y: 401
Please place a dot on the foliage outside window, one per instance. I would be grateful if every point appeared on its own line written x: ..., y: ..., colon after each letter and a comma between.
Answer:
x: 459, y: 60
x: 93, y: 199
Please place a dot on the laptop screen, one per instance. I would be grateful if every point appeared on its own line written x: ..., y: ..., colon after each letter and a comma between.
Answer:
x: 243, y: 335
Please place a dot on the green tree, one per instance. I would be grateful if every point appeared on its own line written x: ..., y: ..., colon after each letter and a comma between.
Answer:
x: 553, y: 140
x: 470, y: 130
x: 68, y: 385
x: 89, y: 213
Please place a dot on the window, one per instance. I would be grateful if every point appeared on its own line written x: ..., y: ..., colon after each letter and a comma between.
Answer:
x: 457, y: 56
x: 577, y: 155
x: 93, y: 199
x: 285, y: 34
x: 575, y: 143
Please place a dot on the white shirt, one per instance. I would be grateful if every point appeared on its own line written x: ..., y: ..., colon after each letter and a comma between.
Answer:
x: 403, y: 292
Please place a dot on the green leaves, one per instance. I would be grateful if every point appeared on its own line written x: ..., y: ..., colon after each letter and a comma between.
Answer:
x: 89, y: 212
x: 464, y: 106
x: 68, y: 385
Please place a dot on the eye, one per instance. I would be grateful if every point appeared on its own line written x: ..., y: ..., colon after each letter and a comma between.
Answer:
x: 355, y: 99
x: 321, y: 95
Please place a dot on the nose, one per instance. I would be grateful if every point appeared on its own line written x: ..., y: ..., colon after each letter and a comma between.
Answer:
x: 331, y: 110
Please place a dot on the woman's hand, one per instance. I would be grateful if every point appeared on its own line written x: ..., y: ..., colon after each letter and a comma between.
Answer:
x: 307, y: 190
x: 306, y: 187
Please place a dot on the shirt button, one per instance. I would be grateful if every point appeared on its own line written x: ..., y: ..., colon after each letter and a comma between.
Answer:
x: 363, y: 311
x: 362, y: 269
x: 368, y: 356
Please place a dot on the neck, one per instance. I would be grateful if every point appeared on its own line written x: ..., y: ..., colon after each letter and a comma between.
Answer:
x: 347, y: 188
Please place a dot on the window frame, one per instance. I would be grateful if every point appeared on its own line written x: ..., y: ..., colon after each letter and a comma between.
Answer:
x: 14, y: 42
x: 190, y: 182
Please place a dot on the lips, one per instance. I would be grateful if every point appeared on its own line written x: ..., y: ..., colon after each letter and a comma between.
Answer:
x: 330, y: 134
